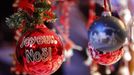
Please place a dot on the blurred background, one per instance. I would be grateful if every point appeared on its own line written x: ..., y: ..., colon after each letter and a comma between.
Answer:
x: 80, y: 15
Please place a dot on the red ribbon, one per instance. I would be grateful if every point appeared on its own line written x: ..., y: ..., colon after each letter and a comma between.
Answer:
x: 27, y: 5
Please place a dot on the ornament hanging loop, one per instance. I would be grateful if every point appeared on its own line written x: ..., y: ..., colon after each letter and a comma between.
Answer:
x: 106, y: 13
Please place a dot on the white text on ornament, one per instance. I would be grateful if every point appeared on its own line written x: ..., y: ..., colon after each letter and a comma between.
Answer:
x: 36, y: 56
x: 38, y: 40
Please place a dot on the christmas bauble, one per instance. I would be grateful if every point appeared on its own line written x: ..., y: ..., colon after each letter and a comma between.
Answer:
x: 40, y: 51
x: 107, y: 33
x: 105, y: 58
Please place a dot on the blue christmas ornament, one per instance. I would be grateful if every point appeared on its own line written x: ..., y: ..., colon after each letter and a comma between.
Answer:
x: 107, y: 34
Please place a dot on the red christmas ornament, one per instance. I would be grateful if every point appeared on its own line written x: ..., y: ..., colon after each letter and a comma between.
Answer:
x: 40, y: 51
x: 105, y: 58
